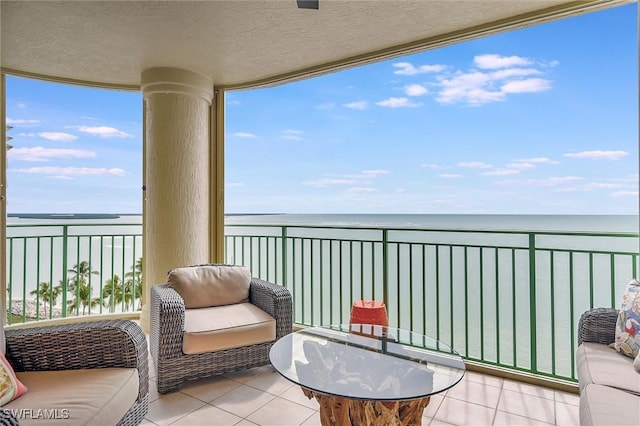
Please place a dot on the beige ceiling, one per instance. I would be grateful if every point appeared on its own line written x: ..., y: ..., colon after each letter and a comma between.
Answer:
x: 244, y: 43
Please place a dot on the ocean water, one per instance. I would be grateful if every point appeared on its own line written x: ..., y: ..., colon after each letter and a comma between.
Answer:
x: 584, y: 223
x: 469, y: 289
x: 587, y: 223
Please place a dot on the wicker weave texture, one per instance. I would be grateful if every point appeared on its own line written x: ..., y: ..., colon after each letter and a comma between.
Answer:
x: 598, y: 325
x: 7, y: 418
x: 98, y: 344
x: 173, y: 367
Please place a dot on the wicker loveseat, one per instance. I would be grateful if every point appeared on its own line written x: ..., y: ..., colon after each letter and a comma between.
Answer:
x: 89, y: 373
x: 609, y: 384
x: 182, y: 351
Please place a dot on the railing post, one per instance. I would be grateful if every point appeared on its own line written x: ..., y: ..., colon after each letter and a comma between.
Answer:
x: 385, y: 267
x: 65, y: 235
x: 532, y: 301
x: 283, y: 234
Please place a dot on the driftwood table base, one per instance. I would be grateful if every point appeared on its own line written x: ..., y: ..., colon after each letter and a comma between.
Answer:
x: 337, y: 411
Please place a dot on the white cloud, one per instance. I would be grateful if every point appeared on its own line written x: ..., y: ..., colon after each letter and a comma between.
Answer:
x: 322, y: 183
x: 597, y: 155
x: 492, y: 61
x: 433, y: 166
x: 625, y: 194
x: 450, y: 176
x: 21, y: 121
x: 291, y: 134
x: 374, y: 173
x: 356, y: 190
x: 58, y: 136
x: 415, y: 90
x: 536, y: 160
x: 103, y: 131
x: 74, y: 171
x: 39, y: 153
x: 477, y: 88
x: 398, y: 103
x: 552, y: 181
x: 501, y: 172
x: 530, y: 85
x: 475, y: 165
x: 604, y: 185
x: 513, y: 72
x: 406, y: 68
x: 521, y: 166
x: 362, y: 178
x: 359, y: 105
x: 244, y: 135
x: 468, y: 87
x: 592, y: 186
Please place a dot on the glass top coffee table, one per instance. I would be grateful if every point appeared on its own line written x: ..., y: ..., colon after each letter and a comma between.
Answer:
x: 367, y: 374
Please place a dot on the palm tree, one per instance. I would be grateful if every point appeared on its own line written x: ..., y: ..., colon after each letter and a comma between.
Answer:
x: 47, y: 294
x: 81, y: 273
x: 113, y: 290
x: 82, y: 297
x: 80, y: 287
x: 136, y: 271
x: 133, y: 290
x: 133, y: 284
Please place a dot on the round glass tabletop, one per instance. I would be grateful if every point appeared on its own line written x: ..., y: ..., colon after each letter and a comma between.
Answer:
x: 367, y: 362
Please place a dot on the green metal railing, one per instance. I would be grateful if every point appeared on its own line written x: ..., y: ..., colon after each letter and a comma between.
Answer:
x: 58, y: 270
x: 503, y: 298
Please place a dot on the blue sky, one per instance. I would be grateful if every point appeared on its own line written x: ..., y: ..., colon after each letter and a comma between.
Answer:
x: 542, y: 120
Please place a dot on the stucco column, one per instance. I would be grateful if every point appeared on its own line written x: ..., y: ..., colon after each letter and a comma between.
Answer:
x: 177, y: 140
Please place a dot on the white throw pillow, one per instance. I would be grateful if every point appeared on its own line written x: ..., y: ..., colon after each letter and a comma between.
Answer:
x: 636, y: 363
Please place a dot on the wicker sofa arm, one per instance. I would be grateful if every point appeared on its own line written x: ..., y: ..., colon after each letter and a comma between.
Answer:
x: 167, y: 322
x: 274, y: 300
x: 598, y: 325
x: 98, y: 344
x: 7, y: 418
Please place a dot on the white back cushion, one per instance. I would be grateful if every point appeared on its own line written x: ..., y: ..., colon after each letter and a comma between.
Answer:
x: 211, y: 285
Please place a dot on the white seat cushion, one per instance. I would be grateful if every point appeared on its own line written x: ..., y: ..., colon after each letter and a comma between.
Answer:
x: 601, y: 365
x: 100, y: 396
x: 603, y: 405
x: 225, y: 327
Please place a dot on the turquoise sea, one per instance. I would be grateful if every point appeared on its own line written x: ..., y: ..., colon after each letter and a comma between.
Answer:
x: 587, y: 223
x: 470, y: 289
x: 590, y: 223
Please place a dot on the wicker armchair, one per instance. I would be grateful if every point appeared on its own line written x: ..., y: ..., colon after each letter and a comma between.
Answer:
x: 598, y: 325
x: 80, y: 346
x: 174, y: 367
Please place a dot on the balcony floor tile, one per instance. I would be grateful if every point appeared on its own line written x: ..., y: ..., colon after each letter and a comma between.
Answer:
x: 260, y: 396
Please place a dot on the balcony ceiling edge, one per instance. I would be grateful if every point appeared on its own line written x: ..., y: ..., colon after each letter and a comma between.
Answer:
x: 559, y: 9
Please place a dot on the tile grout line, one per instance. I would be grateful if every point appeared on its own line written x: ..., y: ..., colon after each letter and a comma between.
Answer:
x: 495, y: 412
